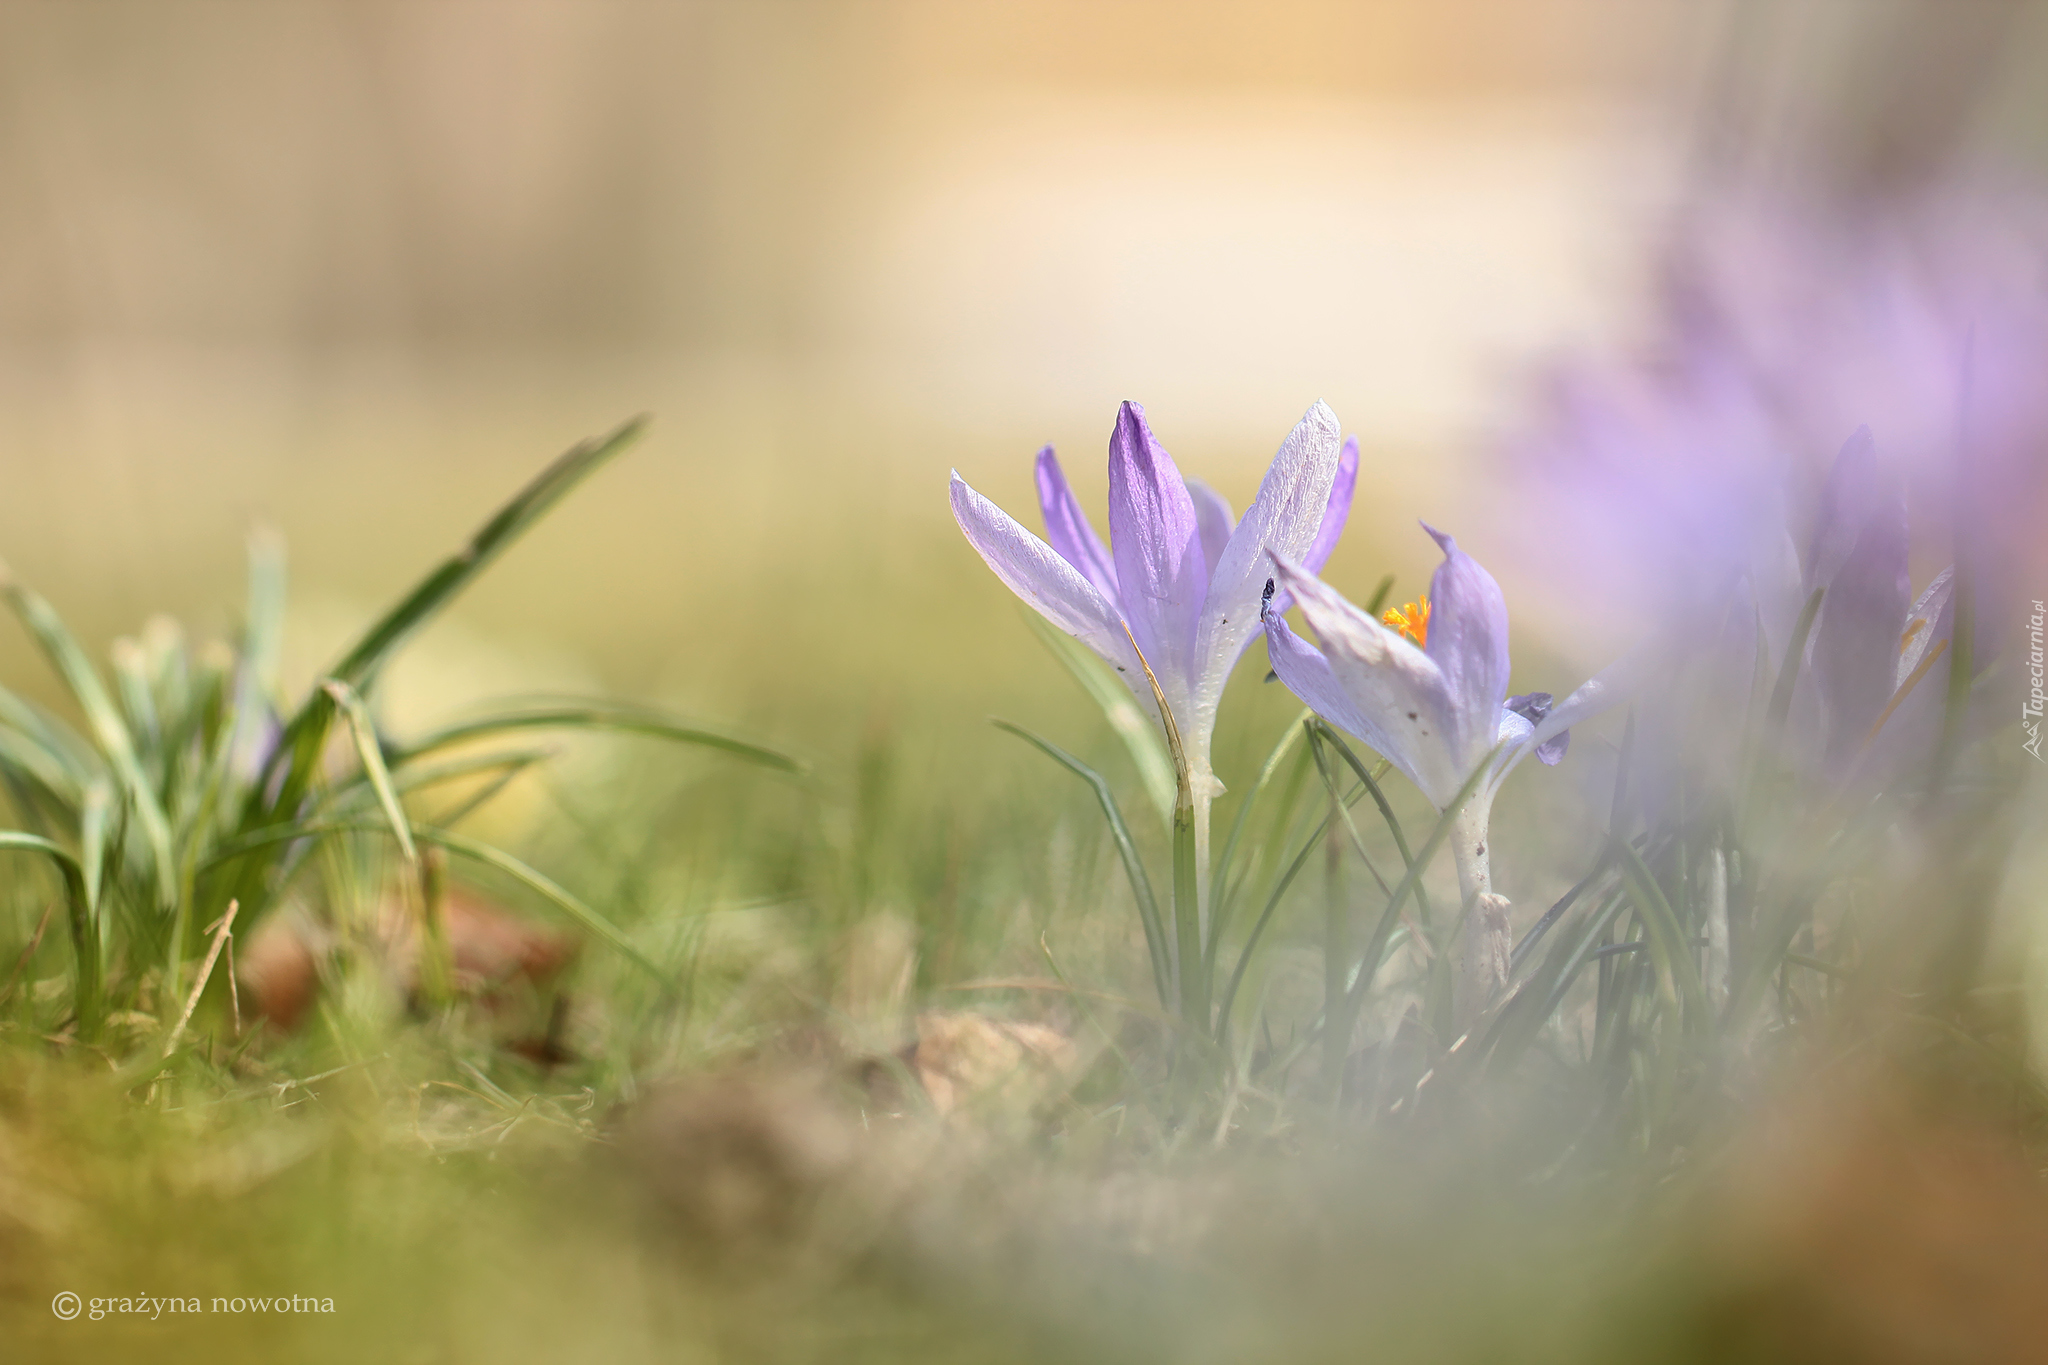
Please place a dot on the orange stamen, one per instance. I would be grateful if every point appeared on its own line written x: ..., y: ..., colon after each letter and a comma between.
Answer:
x: 1911, y: 630
x: 1411, y: 621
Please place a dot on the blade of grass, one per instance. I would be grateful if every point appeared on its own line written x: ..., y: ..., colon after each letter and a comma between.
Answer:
x: 462, y: 846
x: 1143, y: 740
x: 1370, y: 962
x: 305, y: 736
x: 1281, y: 748
x: 434, y: 592
x: 1379, y: 596
x: 1134, y: 867
x: 1677, y: 973
x: 116, y: 744
x: 1379, y: 797
x: 85, y: 942
x: 374, y: 771
x: 596, y: 716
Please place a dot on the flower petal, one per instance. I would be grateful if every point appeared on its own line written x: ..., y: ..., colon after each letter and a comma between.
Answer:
x: 1161, y: 574
x: 1533, y: 707
x: 1615, y: 683
x: 1215, y: 519
x: 1305, y: 672
x: 1335, y: 512
x: 1856, y: 639
x: 1036, y: 573
x: 1291, y: 503
x: 1935, y: 607
x: 1396, y: 692
x: 1848, y: 501
x: 1468, y: 641
x: 1067, y: 528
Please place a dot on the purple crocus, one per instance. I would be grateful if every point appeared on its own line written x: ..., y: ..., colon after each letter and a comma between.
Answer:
x: 1873, y: 642
x: 1180, y: 581
x: 1438, y: 710
x: 1775, y: 328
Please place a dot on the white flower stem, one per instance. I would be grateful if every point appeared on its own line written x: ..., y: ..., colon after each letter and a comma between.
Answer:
x: 1487, y: 939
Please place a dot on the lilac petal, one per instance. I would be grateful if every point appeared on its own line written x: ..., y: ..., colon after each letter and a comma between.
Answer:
x: 1337, y: 511
x: 1067, y: 528
x: 1936, y: 608
x: 1613, y: 684
x: 1154, y: 538
x: 1533, y: 707
x: 1036, y: 573
x: 1849, y: 500
x: 1392, y: 686
x: 1306, y: 673
x: 1291, y: 501
x: 1856, y: 640
x: 1511, y: 738
x: 1911, y: 728
x: 1215, y: 519
x: 1468, y: 641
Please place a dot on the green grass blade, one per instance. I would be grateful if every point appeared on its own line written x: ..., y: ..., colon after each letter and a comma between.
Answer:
x: 35, y: 763
x: 1134, y: 867
x: 592, y: 922
x: 95, y: 820
x: 438, y: 588
x: 599, y: 716
x: 1140, y: 735
x: 85, y: 941
x: 59, y: 743
x: 1318, y: 741
x: 374, y: 771
x: 1378, y: 601
x: 1251, y: 940
x: 1788, y: 675
x: 1370, y: 962
x: 305, y: 736
x: 1540, y: 995
x: 1677, y: 974
x: 1379, y: 797
x: 1220, y: 915
x: 462, y: 846
x: 109, y: 730
x: 1187, y: 918
x: 138, y: 699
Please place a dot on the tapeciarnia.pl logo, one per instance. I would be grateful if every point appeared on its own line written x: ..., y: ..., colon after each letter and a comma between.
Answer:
x: 2031, y: 709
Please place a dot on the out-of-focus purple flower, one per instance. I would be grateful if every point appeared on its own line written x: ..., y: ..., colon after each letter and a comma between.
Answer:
x: 1665, y: 472
x: 1871, y: 636
x: 1181, y: 576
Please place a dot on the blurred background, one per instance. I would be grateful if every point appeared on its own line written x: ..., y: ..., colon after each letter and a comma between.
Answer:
x: 355, y: 269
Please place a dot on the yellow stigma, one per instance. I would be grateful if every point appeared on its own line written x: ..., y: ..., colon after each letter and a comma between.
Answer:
x: 1911, y: 630
x: 1411, y: 621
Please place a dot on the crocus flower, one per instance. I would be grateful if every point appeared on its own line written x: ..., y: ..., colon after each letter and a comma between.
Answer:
x: 1181, y: 578
x: 1431, y: 696
x: 1775, y: 329
x: 1872, y: 638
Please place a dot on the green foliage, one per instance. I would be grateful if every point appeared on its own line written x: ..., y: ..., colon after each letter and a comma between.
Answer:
x: 199, y: 787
